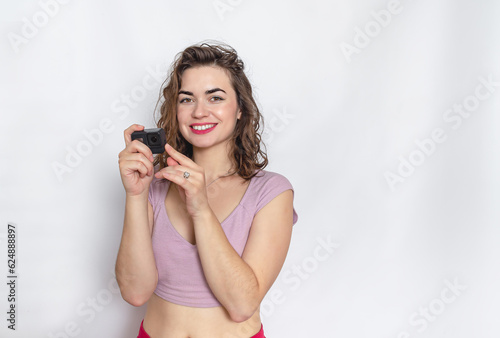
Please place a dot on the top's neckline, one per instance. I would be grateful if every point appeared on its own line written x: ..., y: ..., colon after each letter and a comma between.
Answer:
x: 222, y: 223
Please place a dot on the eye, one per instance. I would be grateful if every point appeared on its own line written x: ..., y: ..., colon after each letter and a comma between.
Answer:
x: 216, y: 98
x: 185, y: 100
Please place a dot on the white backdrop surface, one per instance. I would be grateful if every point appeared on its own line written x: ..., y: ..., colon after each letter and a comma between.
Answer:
x: 382, y: 114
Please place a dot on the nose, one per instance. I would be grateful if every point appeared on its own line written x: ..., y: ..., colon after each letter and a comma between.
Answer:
x: 200, y: 110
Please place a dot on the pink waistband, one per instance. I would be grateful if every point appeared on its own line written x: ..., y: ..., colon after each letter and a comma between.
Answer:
x: 144, y: 334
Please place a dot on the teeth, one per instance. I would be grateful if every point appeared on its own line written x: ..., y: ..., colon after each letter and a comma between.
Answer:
x: 206, y: 126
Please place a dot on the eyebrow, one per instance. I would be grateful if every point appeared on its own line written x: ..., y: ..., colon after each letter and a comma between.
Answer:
x: 210, y: 91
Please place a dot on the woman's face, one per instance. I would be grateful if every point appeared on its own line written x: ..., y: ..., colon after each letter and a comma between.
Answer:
x: 207, y: 107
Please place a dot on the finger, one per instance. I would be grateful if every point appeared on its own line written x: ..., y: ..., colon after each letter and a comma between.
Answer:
x: 170, y: 170
x: 141, y: 158
x: 136, y: 166
x: 128, y: 132
x: 176, y: 177
x: 176, y: 170
x: 179, y: 157
x: 137, y: 146
x: 171, y: 161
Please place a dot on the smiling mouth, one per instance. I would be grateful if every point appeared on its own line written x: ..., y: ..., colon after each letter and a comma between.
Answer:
x: 203, y: 126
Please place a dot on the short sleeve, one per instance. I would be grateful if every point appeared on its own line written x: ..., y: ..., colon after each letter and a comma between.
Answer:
x: 273, y: 187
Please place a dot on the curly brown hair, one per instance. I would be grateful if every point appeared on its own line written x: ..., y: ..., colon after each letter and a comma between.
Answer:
x: 246, y: 139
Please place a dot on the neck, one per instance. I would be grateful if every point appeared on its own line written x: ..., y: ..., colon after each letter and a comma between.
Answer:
x: 214, y: 160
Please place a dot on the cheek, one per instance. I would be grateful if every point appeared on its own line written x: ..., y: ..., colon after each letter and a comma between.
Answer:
x: 228, y: 112
x: 181, y: 115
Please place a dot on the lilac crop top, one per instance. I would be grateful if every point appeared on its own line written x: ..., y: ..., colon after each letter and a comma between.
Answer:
x: 180, y: 274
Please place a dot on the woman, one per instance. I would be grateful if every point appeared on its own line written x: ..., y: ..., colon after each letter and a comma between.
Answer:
x: 206, y: 229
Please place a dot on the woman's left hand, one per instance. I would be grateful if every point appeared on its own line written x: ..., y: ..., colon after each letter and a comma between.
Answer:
x: 191, y: 190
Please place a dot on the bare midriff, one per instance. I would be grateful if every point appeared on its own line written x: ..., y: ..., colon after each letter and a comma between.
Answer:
x: 164, y: 319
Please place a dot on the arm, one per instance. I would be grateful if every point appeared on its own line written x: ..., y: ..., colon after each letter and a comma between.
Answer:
x: 135, y: 268
x: 240, y: 283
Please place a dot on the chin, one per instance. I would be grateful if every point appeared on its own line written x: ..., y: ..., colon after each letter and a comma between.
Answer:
x: 202, y: 144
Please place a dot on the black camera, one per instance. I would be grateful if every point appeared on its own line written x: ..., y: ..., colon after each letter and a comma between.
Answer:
x: 154, y: 138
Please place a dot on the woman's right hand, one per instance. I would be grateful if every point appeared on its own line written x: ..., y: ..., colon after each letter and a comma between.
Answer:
x: 136, y: 164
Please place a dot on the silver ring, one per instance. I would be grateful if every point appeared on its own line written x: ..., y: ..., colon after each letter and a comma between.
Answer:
x: 186, y: 175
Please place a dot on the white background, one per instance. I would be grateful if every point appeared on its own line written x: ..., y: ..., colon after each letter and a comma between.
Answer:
x: 338, y: 124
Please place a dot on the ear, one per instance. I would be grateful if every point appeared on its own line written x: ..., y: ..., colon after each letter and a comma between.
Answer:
x: 238, y: 115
